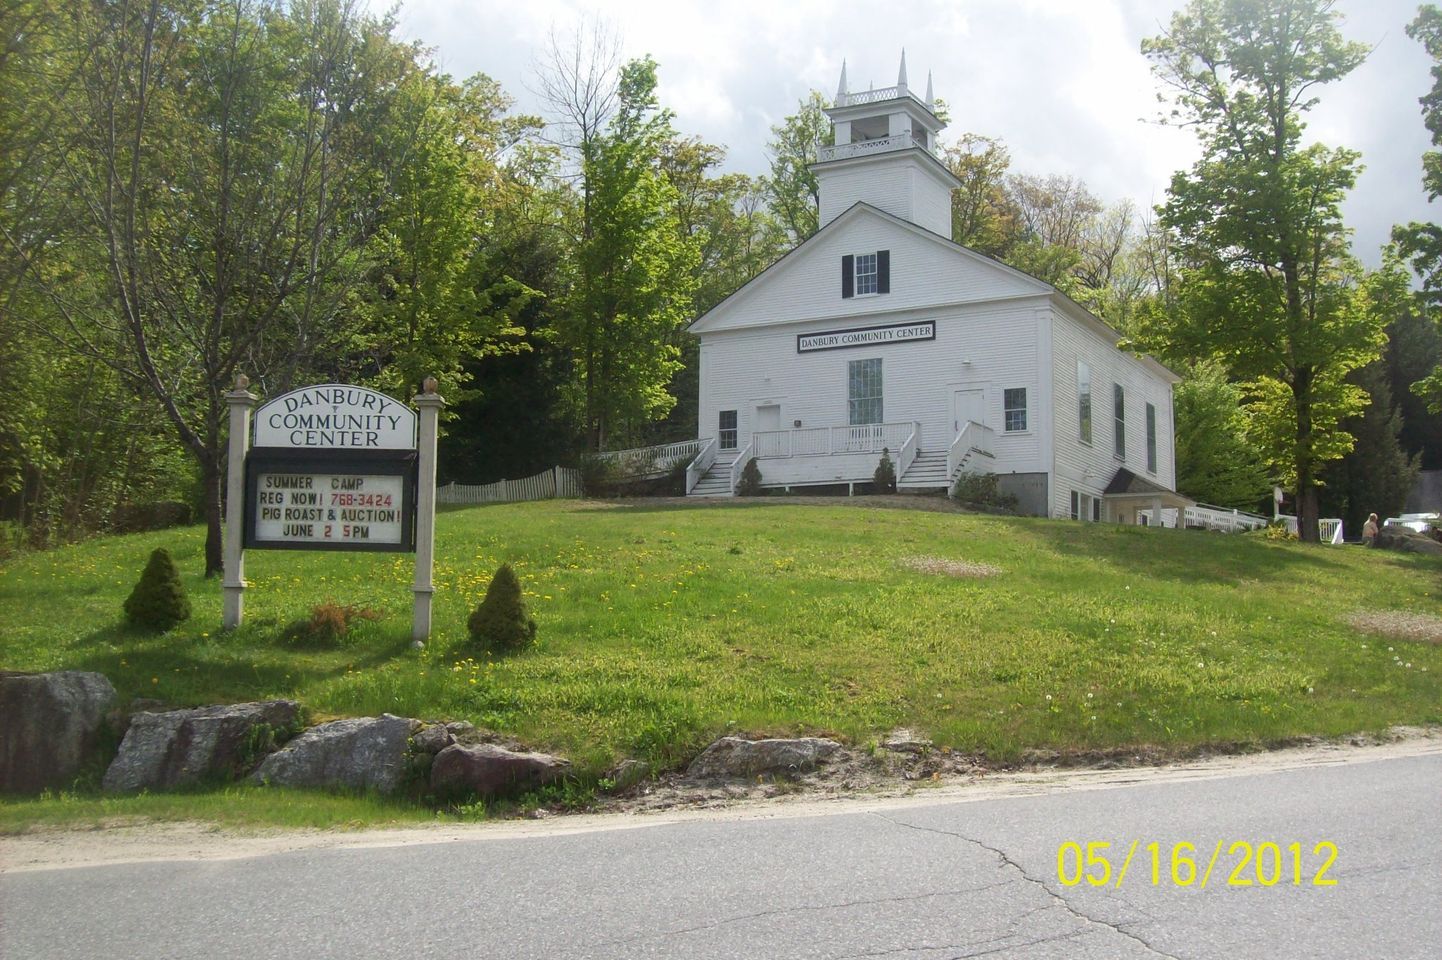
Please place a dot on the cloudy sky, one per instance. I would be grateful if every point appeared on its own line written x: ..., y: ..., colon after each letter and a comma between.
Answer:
x: 1061, y: 82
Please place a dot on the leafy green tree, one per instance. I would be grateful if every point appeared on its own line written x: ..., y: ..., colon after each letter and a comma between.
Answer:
x: 1268, y: 283
x: 1216, y: 460
x: 982, y: 215
x: 795, y: 196
x: 1421, y: 243
x: 634, y: 268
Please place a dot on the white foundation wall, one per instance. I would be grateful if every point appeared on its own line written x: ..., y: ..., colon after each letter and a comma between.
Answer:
x: 1089, y: 468
x: 745, y: 369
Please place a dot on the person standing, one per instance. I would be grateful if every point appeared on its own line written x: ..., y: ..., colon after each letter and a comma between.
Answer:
x: 1369, y: 531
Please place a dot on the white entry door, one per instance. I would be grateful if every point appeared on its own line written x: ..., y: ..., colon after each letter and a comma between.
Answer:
x: 768, y: 417
x: 967, y: 405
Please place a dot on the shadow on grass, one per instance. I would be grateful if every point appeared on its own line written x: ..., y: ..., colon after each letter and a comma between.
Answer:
x: 1184, y: 556
x: 231, y: 669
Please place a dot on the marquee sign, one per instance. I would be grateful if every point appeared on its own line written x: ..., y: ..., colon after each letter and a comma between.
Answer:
x: 336, y: 416
x: 865, y: 336
x: 345, y: 502
x: 333, y: 467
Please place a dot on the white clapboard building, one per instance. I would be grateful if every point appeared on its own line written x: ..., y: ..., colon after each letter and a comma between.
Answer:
x: 881, y: 333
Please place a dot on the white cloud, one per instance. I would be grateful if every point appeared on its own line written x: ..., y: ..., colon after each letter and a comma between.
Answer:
x: 1062, y: 83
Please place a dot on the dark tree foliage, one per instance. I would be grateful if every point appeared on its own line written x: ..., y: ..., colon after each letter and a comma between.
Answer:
x: 1414, y: 349
x: 501, y: 621
x: 158, y: 601
x: 1376, y: 476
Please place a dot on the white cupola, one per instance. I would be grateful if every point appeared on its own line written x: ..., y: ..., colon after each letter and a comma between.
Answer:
x: 885, y: 155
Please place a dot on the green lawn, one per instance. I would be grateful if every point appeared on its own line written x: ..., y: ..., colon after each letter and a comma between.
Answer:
x: 662, y: 626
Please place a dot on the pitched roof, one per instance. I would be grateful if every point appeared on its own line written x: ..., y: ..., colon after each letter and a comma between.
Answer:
x: 861, y: 207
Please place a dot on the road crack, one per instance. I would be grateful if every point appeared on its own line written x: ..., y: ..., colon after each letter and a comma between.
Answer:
x: 808, y: 908
x: 1055, y: 897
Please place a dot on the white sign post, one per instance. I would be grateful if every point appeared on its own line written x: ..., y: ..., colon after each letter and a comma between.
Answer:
x: 333, y: 467
x: 241, y: 401
x: 429, y: 403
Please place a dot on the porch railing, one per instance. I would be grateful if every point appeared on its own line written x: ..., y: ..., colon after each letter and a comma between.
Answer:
x: 650, y: 461
x: 739, y: 464
x: 705, y: 457
x: 827, y: 441
x: 973, y: 438
x: 866, y: 148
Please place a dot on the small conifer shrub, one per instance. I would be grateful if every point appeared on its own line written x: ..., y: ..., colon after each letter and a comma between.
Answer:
x: 158, y: 601
x: 884, y: 479
x: 750, y: 482
x: 501, y: 620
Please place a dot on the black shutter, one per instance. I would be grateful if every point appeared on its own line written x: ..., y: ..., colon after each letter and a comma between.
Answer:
x: 883, y: 271
x: 848, y: 280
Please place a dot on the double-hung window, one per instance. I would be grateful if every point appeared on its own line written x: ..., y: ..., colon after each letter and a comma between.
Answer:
x: 1119, y: 417
x: 865, y: 274
x: 863, y: 391
x: 1084, y: 402
x: 1014, y: 409
x: 726, y: 433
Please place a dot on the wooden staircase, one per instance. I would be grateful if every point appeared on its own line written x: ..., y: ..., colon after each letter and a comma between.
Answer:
x: 716, y: 482
x: 927, y: 472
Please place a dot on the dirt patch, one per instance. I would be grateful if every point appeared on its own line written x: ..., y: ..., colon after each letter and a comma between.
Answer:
x: 962, y: 569
x: 1399, y: 625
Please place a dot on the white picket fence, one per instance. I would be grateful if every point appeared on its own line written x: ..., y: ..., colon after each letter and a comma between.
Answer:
x: 550, y: 484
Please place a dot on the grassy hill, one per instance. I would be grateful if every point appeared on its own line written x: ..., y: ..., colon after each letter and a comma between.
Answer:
x: 664, y: 625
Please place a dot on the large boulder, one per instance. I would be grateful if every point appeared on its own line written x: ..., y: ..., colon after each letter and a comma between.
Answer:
x: 487, y: 769
x: 165, y: 750
x: 49, y: 724
x: 1407, y: 541
x: 366, y: 753
x: 734, y: 757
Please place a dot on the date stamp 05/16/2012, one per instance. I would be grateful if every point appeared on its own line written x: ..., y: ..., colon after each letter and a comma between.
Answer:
x: 1243, y: 863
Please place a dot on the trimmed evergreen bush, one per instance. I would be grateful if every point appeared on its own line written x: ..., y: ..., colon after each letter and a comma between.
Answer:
x: 501, y: 620
x: 158, y: 601
x: 750, y: 482
x: 884, y: 479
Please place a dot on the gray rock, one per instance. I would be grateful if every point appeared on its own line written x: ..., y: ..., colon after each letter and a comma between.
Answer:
x: 461, y: 728
x: 487, y: 769
x: 366, y: 753
x: 49, y: 724
x: 735, y: 757
x: 178, y: 747
x: 905, y: 741
x: 432, y: 739
x: 1407, y: 541
x: 628, y: 773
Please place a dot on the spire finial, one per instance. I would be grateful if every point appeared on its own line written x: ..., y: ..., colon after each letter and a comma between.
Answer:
x: 841, y: 87
x: 930, y: 99
x: 901, y: 74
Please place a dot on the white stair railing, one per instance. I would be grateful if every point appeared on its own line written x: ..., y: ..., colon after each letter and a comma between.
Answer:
x: 698, y: 467
x: 738, y: 465
x: 973, y: 437
x: 907, y: 455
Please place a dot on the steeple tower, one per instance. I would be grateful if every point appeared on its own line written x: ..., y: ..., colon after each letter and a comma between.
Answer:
x: 884, y: 154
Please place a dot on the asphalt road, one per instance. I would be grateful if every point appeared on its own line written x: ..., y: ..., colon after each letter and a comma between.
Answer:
x: 906, y: 881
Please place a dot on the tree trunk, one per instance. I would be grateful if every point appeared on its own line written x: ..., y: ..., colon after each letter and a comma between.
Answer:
x: 210, y: 469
